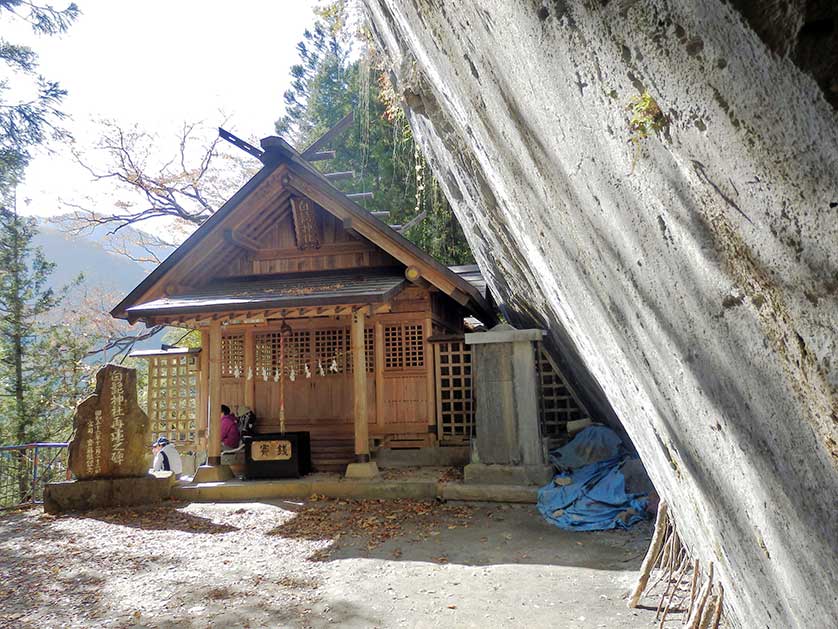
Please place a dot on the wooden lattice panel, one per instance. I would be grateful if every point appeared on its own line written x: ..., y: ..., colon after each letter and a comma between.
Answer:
x: 232, y: 355
x: 173, y: 398
x: 404, y: 346
x: 369, y: 350
x: 331, y: 349
x: 455, y: 392
x: 297, y: 351
x: 558, y: 406
x: 266, y: 352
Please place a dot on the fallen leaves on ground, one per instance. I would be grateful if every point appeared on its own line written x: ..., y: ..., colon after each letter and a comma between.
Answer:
x: 372, y: 521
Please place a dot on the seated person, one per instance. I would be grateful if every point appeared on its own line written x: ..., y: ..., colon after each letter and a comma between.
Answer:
x: 166, y: 457
x: 247, y: 422
x: 229, y: 429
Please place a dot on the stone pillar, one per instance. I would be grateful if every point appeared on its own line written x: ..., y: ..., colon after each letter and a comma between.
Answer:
x: 364, y: 468
x: 509, y: 449
x: 213, y: 470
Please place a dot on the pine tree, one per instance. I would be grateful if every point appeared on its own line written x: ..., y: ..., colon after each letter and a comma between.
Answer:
x: 328, y: 84
x: 40, y: 363
x: 29, y: 122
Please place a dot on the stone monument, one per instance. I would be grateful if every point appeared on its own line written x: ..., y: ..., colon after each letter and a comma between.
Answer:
x: 108, y: 452
x: 110, y: 429
x: 509, y: 448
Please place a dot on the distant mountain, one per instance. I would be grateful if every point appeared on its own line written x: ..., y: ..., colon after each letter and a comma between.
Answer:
x: 109, y: 273
x: 81, y: 254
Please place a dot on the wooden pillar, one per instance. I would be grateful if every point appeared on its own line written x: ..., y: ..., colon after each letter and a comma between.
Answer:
x: 430, y: 373
x: 203, y: 393
x: 214, y: 437
x: 249, y: 367
x: 379, y: 373
x: 359, y: 372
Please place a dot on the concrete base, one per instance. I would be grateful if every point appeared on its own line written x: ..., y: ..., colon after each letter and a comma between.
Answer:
x: 489, y: 493
x: 212, y: 474
x: 84, y: 495
x: 422, y: 457
x: 362, y: 471
x: 483, y: 474
x: 302, y: 488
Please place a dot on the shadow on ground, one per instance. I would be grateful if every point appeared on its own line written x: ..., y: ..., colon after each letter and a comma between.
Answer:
x: 471, y: 535
x: 159, y: 518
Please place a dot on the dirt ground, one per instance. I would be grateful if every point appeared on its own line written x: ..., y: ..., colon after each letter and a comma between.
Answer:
x: 317, y: 563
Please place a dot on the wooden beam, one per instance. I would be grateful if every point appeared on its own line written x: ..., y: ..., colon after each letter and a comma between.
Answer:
x: 214, y: 437
x: 330, y: 135
x: 459, y: 296
x: 337, y: 176
x: 370, y: 230
x: 349, y: 227
x: 240, y: 240
x: 321, y: 156
x: 359, y: 373
x: 413, y: 275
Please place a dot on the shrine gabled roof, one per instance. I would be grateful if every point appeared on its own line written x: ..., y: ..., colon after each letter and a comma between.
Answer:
x: 286, y: 170
x: 288, y: 291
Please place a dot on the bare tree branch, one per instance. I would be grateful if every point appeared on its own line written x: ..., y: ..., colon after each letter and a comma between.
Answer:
x: 186, y: 188
x: 124, y: 344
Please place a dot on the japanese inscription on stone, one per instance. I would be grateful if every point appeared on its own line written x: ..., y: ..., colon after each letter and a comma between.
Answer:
x: 278, y: 450
x: 110, y: 430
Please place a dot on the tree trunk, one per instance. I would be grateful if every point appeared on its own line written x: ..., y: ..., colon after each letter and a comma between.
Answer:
x: 16, y: 306
x: 691, y: 296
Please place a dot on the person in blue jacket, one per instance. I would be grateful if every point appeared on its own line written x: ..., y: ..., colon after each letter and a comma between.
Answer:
x: 166, y: 457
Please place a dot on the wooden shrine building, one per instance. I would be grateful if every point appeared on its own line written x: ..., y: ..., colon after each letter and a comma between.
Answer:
x: 306, y: 300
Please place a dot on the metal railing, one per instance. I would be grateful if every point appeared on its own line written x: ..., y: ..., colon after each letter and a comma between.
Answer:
x: 26, y: 469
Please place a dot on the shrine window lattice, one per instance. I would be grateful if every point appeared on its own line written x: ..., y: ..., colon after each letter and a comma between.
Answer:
x: 172, y: 400
x: 557, y: 404
x: 404, y: 346
x: 232, y: 356
x: 329, y: 349
x: 455, y: 392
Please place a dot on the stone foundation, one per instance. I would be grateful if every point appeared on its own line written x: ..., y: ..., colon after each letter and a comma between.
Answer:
x: 362, y: 471
x: 85, y: 495
x: 422, y: 457
x: 507, y: 474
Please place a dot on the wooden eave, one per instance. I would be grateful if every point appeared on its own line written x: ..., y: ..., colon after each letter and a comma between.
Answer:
x: 289, y: 291
x: 285, y: 172
x: 158, y: 277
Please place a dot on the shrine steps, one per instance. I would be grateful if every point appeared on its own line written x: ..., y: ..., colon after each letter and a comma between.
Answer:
x: 331, y: 454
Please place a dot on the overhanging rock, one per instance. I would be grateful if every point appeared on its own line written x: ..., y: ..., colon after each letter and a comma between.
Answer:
x: 688, y: 287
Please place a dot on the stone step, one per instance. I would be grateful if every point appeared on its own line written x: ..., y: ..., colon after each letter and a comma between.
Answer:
x: 344, y: 488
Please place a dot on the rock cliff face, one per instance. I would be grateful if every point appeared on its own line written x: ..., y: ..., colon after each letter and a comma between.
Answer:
x: 690, y: 287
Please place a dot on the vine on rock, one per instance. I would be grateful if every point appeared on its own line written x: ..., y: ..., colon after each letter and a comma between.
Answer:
x: 646, y: 120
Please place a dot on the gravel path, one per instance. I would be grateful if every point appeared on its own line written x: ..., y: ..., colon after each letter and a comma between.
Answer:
x: 315, y: 564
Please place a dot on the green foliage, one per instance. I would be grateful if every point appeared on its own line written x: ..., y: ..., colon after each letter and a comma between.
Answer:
x: 646, y: 119
x: 31, y: 120
x: 327, y: 84
x: 182, y: 338
x: 42, y: 372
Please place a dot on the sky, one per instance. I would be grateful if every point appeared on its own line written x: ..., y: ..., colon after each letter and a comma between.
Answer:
x: 158, y: 64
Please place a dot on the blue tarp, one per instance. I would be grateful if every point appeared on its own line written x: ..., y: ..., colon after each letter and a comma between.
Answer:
x: 589, y: 494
